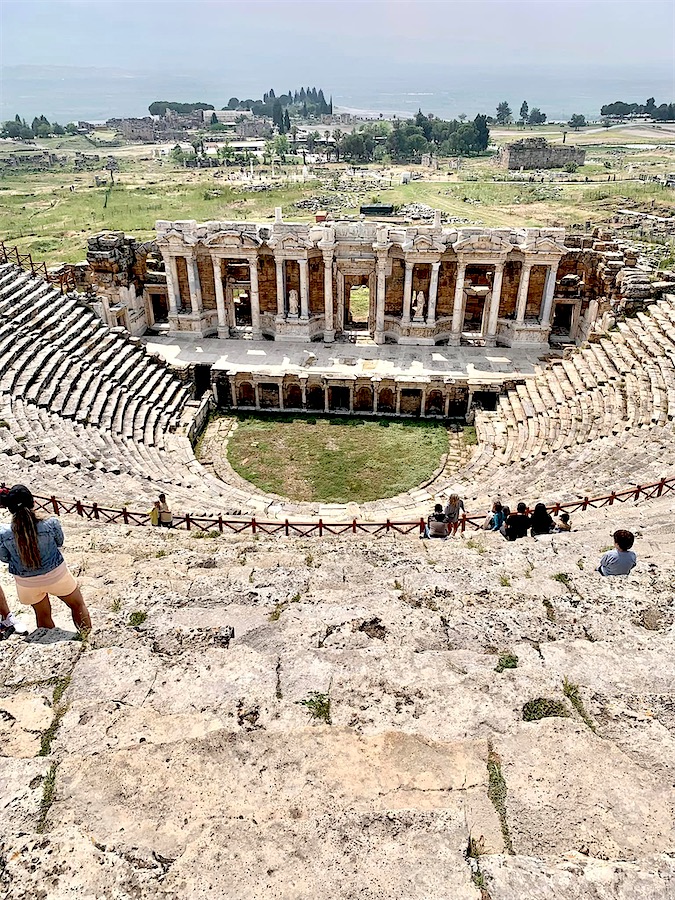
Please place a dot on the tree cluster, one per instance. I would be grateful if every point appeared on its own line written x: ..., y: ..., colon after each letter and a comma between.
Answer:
x: 408, y: 140
x: 663, y: 113
x: 160, y: 107
x: 39, y: 127
x: 526, y: 115
x: 304, y: 103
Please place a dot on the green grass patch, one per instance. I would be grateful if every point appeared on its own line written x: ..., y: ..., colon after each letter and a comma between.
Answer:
x: 137, y: 618
x: 335, y: 460
x: 543, y: 708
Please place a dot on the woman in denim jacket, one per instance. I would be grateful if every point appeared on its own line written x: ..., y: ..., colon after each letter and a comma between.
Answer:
x: 31, y: 546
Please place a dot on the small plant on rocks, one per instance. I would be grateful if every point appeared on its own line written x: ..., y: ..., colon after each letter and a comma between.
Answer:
x: 137, y: 618
x: 317, y: 705
x: 506, y: 661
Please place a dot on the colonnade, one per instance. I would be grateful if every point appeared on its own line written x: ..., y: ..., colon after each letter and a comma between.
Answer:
x: 416, y: 322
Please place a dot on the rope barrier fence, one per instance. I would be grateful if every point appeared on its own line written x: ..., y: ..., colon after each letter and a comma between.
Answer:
x: 319, y: 528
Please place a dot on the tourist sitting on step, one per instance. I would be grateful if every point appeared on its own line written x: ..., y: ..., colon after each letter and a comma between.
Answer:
x: 518, y: 524
x: 540, y: 521
x: 563, y: 523
x: 452, y: 511
x: 437, y: 525
x: 9, y: 624
x: 495, y: 518
x: 165, y: 514
x: 31, y: 546
x: 154, y: 514
x: 621, y: 560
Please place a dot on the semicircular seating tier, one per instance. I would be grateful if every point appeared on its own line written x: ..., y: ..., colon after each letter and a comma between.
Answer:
x: 87, y: 413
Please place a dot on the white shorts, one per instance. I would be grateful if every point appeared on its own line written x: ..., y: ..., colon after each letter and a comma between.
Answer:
x: 58, y: 582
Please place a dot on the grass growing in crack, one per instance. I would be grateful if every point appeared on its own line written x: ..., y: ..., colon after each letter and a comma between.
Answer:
x: 116, y: 605
x: 506, y: 661
x: 50, y: 733
x: 562, y: 578
x: 550, y: 610
x: 160, y: 554
x: 580, y: 564
x: 48, y: 791
x: 137, y: 618
x: 497, y: 793
x: 504, y: 580
x: 571, y: 691
x: 543, y: 708
x: 474, y: 545
x: 60, y: 688
x: 279, y: 607
x: 317, y: 705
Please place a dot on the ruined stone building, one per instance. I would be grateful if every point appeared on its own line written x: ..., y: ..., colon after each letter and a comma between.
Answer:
x: 537, y: 153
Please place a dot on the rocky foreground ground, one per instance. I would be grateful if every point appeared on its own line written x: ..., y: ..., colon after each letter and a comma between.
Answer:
x: 370, y: 731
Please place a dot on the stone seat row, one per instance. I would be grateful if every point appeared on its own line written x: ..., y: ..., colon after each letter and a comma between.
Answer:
x: 61, y: 356
x: 621, y: 383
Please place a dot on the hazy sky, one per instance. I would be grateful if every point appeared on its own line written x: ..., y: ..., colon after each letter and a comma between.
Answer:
x: 348, y: 47
x: 300, y: 37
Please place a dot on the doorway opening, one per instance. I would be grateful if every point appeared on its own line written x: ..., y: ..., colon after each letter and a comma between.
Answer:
x: 160, y: 308
x: 561, y: 326
x: 357, y: 313
x: 241, y: 299
x: 202, y: 376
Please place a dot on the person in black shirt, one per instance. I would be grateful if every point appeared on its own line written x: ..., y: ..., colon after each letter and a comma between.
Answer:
x: 517, y: 523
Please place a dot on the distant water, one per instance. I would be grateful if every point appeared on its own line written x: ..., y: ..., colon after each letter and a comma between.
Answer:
x: 67, y: 93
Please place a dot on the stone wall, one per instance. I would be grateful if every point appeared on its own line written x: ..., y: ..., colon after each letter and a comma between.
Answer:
x: 537, y: 153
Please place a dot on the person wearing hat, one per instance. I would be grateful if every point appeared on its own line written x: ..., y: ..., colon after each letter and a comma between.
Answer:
x: 31, y: 546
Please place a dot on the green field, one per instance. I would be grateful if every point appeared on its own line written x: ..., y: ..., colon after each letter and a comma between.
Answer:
x: 335, y: 460
x: 41, y: 214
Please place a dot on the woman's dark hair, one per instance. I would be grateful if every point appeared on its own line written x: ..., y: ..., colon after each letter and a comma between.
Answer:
x: 540, y: 512
x: 19, y: 501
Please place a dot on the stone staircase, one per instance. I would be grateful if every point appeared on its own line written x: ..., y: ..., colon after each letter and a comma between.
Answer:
x: 135, y: 765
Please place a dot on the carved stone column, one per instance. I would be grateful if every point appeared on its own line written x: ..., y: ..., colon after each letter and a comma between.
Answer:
x: 233, y: 391
x: 223, y: 324
x: 380, y: 299
x: 255, y: 298
x: 398, y: 399
x: 407, y: 292
x: 172, y: 285
x: 549, y: 292
x: 433, y: 293
x: 523, y: 287
x: 458, y: 305
x: 281, y: 395
x: 329, y: 324
x: 281, y: 289
x: 256, y: 391
x: 304, y: 289
x: 351, y: 398
x: 493, y: 312
x: 195, y: 286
